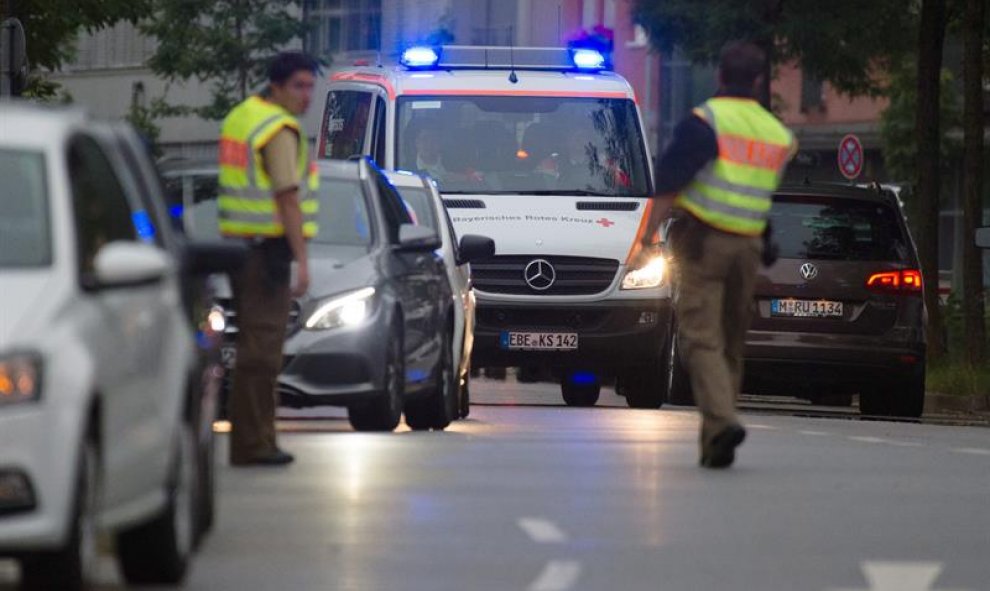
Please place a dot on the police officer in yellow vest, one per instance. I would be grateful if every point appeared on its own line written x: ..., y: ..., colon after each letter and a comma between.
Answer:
x: 267, y: 198
x: 718, y: 175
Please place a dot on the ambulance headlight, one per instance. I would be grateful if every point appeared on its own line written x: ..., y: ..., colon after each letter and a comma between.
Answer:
x: 588, y: 59
x: 650, y: 275
x: 420, y: 57
x: 350, y: 309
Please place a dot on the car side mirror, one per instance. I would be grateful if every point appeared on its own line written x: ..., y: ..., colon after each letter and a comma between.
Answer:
x: 129, y: 264
x: 209, y: 257
x: 983, y: 237
x: 475, y: 248
x: 418, y: 238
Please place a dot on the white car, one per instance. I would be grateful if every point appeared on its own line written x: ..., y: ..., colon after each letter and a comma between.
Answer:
x: 107, y: 389
x: 421, y: 195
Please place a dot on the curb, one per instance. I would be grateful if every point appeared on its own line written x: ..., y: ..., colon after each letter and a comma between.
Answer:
x: 935, y: 402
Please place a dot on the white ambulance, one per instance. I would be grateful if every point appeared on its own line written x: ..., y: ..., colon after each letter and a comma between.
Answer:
x: 543, y: 150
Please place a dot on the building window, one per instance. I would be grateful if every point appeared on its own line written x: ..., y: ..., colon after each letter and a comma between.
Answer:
x: 812, y: 94
x: 343, y: 25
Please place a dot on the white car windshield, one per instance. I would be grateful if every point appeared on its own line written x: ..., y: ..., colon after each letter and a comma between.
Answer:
x: 25, y: 238
x: 528, y: 145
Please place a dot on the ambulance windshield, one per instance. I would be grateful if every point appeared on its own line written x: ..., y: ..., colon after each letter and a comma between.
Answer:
x: 524, y: 145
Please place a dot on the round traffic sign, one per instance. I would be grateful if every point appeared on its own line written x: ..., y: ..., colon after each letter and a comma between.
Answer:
x: 850, y: 157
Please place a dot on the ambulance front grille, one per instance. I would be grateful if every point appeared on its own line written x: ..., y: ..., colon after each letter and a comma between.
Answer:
x: 572, y: 275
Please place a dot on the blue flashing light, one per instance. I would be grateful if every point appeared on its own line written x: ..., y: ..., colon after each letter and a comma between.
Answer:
x: 175, y: 211
x: 583, y: 378
x: 416, y: 376
x: 143, y: 226
x: 420, y: 57
x: 588, y: 59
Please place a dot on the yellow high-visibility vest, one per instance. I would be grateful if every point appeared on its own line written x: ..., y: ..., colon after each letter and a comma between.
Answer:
x: 734, y: 192
x: 246, y: 202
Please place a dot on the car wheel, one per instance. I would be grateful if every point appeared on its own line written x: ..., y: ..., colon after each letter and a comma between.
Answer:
x: 909, y: 400
x: 159, y: 551
x: 385, y: 411
x: 646, y: 387
x: 903, y: 397
x: 73, y: 566
x: 679, y: 382
x: 579, y: 394
x: 440, y: 406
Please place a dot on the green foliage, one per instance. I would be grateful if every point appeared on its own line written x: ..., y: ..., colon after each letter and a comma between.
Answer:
x: 897, y: 123
x: 842, y: 41
x: 51, y: 26
x: 225, y: 42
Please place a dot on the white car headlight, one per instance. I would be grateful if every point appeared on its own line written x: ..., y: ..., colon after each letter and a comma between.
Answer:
x: 20, y: 378
x: 349, y: 309
x: 649, y: 275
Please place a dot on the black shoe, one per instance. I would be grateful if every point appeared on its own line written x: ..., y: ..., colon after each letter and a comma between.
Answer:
x: 721, y: 451
x: 275, y: 458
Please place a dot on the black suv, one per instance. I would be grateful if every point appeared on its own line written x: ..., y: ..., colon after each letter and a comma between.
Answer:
x: 841, y: 311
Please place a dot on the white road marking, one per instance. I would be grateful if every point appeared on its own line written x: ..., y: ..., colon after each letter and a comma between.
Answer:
x: 557, y: 575
x: 972, y: 450
x: 815, y: 433
x: 906, y: 443
x: 869, y: 439
x: 763, y: 427
x: 899, y: 576
x: 542, y: 531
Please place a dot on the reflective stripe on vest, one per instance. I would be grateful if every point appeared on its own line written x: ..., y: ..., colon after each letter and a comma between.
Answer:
x: 734, y: 192
x: 246, y: 203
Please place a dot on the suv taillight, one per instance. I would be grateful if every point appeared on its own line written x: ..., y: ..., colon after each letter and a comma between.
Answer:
x: 903, y: 281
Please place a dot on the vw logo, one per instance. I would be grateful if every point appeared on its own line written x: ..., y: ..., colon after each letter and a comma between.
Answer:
x: 539, y: 274
x: 809, y: 271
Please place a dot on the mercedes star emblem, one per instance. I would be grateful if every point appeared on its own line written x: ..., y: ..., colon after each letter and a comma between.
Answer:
x: 809, y: 271
x: 539, y: 274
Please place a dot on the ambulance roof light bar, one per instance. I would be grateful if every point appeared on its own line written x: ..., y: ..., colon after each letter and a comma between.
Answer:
x: 504, y: 58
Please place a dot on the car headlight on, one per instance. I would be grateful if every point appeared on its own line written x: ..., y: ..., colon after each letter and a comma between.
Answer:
x: 649, y: 275
x: 349, y: 309
x: 20, y: 378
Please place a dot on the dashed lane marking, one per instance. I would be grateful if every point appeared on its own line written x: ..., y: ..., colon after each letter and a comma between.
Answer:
x: 542, y: 531
x: 899, y: 576
x: 557, y: 575
x: 815, y: 433
x: 868, y: 439
x: 976, y: 451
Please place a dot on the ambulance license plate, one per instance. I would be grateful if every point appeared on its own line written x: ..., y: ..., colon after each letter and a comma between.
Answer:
x: 806, y: 308
x: 539, y: 341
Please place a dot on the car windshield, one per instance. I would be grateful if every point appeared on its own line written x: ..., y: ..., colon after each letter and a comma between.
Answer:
x: 529, y: 145
x: 837, y: 229
x: 25, y: 236
x: 344, y: 218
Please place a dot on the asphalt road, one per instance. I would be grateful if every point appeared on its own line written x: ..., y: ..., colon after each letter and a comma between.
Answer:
x: 549, y: 498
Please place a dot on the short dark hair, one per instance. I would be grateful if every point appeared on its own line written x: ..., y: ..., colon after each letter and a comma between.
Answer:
x: 740, y: 63
x: 287, y: 63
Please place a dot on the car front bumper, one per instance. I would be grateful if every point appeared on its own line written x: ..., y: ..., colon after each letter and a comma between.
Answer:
x: 612, y: 334
x: 335, y: 367
x: 40, y: 442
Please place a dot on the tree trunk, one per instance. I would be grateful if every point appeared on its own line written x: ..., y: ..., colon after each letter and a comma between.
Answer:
x: 973, y: 300
x: 930, y: 44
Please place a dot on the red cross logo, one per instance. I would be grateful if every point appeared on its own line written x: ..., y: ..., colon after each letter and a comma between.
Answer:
x: 605, y: 223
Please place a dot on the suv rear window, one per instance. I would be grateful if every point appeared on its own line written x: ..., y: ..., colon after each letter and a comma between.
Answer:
x: 823, y: 228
